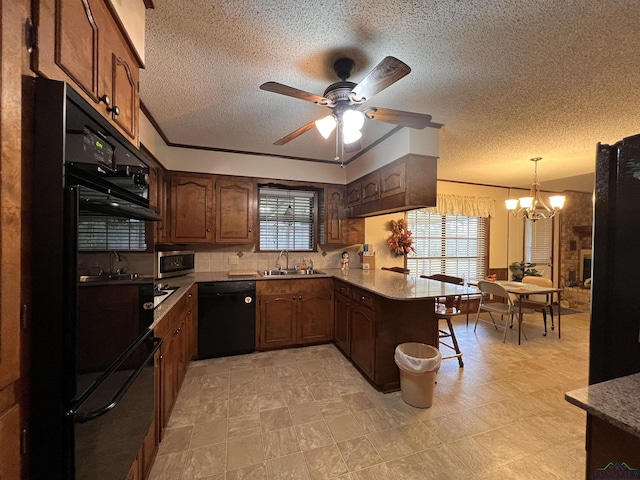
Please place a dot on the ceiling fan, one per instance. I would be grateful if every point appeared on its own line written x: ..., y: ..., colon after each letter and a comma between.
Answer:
x: 346, y: 100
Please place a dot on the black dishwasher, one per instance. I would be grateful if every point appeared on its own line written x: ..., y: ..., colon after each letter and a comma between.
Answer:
x: 226, y: 318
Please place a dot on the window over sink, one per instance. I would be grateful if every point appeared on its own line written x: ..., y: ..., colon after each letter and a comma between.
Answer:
x: 287, y: 219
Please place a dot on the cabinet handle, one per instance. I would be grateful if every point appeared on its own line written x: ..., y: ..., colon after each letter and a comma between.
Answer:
x: 362, y: 298
x: 105, y: 99
x: 294, y: 297
x: 189, y: 312
x: 190, y: 295
x: 250, y: 230
x: 115, y: 110
x: 208, y: 229
x: 161, y: 357
x: 300, y: 297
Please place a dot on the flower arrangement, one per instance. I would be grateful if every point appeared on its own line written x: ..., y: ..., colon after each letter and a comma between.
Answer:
x: 400, y: 241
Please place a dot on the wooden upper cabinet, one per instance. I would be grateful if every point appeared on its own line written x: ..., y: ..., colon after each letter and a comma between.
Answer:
x: 392, y: 180
x: 124, y: 92
x: 191, y: 209
x: 335, y: 214
x: 370, y: 188
x: 354, y: 193
x: 235, y: 199
x: 76, y: 42
x: 80, y: 42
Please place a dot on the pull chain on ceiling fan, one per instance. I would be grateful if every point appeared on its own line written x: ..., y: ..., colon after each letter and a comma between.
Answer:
x: 346, y: 99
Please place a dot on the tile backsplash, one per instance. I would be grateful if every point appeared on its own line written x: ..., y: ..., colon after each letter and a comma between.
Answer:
x: 214, y: 258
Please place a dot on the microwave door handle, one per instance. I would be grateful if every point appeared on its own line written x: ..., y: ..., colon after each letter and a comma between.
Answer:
x: 88, y: 416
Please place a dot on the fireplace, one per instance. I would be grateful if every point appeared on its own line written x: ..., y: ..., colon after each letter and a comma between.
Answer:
x: 584, y: 265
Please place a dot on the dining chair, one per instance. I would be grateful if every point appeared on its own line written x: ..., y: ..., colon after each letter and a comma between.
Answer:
x: 538, y: 305
x: 445, y: 309
x: 505, y: 307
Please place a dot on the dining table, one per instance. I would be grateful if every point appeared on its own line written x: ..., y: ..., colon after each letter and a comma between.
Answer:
x: 523, y: 290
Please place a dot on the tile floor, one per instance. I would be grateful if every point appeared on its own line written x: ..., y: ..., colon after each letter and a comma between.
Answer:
x: 308, y: 414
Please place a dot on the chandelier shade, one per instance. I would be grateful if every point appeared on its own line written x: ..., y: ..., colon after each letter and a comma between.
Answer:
x: 533, y: 206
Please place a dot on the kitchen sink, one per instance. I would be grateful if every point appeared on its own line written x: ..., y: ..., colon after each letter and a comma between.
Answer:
x: 108, y: 277
x: 290, y: 271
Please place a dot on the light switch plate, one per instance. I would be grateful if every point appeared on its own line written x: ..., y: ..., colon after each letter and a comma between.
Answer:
x: 233, y: 260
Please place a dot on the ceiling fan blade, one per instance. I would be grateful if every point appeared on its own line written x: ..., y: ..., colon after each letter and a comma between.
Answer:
x: 398, y: 117
x: 276, y: 87
x: 353, y: 146
x: 295, y: 134
x: 387, y: 72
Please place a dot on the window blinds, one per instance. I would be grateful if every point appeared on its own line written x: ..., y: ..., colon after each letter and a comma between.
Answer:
x: 282, y: 227
x: 538, y: 242
x: 109, y: 233
x: 451, y: 244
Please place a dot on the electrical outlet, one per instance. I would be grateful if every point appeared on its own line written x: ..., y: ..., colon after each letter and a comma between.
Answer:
x: 233, y: 260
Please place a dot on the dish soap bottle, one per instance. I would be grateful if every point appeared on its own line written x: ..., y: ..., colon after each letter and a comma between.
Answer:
x: 303, y: 266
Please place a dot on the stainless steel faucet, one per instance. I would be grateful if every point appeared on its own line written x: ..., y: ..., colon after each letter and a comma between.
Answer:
x: 114, y: 255
x: 283, y: 252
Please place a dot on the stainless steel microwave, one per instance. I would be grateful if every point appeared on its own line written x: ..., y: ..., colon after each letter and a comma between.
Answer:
x: 175, y: 263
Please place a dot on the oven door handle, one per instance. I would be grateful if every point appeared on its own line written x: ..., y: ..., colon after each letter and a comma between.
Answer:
x: 88, y: 416
x: 112, y: 207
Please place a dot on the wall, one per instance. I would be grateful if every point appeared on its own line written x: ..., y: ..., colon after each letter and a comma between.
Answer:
x: 131, y: 14
x: 223, y: 163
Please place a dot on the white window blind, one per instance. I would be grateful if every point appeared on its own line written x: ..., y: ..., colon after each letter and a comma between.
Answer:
x: 450, y: 244
x: 110, y: 233
x: 538, y: 242
x: 282, y: 227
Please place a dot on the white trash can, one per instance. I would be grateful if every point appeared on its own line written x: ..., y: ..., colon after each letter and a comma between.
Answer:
x: 418, y: 364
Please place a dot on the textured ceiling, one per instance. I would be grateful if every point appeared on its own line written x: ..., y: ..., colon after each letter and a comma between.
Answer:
x: 509, y: 80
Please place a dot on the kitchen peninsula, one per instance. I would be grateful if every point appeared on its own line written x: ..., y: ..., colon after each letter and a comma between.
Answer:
x: 370, y: 312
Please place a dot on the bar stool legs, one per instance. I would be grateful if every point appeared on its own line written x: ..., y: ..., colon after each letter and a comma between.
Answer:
x: 450, y: 333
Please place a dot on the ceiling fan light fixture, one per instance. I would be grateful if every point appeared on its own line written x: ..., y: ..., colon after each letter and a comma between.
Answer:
x: 326, y: 125
x: 350, y: 136
x: 352, y: 120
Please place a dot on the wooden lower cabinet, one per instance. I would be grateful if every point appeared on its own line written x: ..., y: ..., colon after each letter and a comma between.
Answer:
x: 294, y: 312
x: 369, y: 327
x: 191, y: 323
x: 363, y: 338
x: 10, y: 435
x: 342, y: 323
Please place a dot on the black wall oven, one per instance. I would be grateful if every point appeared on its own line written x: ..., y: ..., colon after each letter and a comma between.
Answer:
x: 92, y: 350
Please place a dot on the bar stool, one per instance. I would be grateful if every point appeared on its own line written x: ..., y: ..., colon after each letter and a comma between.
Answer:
x: 445, y: 312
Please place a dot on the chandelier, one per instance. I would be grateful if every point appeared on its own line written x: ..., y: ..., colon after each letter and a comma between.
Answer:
x: 533, y: 207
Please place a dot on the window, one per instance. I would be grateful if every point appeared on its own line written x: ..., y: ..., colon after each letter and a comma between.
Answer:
x: 538, y: 244
x: 451, y: 244
x: 97, y: 233
x: 287, y: 219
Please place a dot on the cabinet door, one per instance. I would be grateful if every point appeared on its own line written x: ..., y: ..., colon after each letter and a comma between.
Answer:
x: 124, y: 89
x: 234, y: 205
x: 277, y: 320
x: 10, y: 445
x: 334, y: 213
x: 370, y: 188
x: 354, y: 193
x: 167, y: 378
x: 68, y: 33
x: 392, y: 180
x: 363, y: 338
x: 191, y: 209
x: 192, y: 322
x: 342, y: 323
x: 314, y: 317
x: 162, y: 204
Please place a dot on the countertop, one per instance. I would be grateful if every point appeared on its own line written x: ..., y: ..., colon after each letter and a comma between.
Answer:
x: 392, y: 285
x: 614, y: 401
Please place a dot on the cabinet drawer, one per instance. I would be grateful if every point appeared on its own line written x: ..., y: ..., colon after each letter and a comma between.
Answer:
x: 365, y: 298
x: 342, y: 288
